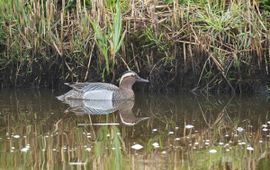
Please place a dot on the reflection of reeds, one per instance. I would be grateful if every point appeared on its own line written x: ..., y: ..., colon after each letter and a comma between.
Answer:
x: 57, y: 142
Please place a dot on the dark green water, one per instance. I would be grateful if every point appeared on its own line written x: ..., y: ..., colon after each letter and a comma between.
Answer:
x: 179, y: 131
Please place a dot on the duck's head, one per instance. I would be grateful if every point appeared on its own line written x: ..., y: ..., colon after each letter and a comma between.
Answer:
x: 129, y: 78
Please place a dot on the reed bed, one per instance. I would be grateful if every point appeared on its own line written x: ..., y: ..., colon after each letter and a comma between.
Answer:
x: 200, y: 44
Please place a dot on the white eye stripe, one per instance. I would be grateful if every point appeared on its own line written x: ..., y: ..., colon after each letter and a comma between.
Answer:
x: 127, y: 75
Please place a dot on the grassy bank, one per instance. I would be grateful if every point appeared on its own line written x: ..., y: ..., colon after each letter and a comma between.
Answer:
x: 199, y: 44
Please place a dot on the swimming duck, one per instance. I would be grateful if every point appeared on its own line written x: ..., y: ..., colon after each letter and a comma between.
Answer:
x: 104, y: 91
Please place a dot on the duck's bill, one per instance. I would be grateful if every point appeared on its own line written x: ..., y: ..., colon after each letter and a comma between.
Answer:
x: 142, y: 80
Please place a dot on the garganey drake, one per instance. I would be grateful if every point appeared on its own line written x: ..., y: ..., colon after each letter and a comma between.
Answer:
x: 104, y: 91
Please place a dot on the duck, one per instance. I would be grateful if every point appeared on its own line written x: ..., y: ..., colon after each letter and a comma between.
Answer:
x: 104, y: 91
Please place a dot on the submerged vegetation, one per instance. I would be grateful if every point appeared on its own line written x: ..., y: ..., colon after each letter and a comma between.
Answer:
x: 199, y: 44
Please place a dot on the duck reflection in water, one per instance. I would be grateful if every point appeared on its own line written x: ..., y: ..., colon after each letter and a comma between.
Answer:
x: 104, y: 107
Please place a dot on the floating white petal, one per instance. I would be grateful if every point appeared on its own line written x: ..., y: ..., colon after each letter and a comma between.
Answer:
x: 16, y: 136
x: 221, y: 143
x: 25, y: 149
x: 155, y: 145
x: 250, y: 148
x: 212, y: 151
x: 171, y: 133
x: 240, y: 129
x: 189, y: 126
x: 137, y: 147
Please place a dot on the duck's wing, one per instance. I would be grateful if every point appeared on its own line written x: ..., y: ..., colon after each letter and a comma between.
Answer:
x: 99, y: 86
x: 77, y: 86
x: 84, y: 87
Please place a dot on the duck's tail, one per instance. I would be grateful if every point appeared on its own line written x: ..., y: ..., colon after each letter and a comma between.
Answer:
x: 61, y: 97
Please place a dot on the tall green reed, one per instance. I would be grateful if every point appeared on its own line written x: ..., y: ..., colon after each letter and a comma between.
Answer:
x: 110, y: 38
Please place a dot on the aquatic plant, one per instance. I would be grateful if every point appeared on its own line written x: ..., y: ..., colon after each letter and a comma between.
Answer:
x: 109, y: 40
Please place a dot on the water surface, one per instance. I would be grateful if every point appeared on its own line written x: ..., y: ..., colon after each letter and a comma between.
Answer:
x: 180, y: 131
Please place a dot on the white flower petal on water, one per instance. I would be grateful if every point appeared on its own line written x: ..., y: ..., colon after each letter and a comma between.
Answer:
x: 154, y: 130
x: 264, y: 125
x: 212, y: 151
x: 241, y: 143
x: 155, y: 145
x: 240, y: 129
x: 171, y: 133
x: 250, y: 148
x: 265, y: 129
x: 177, y: 139
x: 137, y: 147
x: 25, y: 149
x: 16, y: 136
x: 163, y: 152
x: 221, y: 143
x: 189, y: 126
